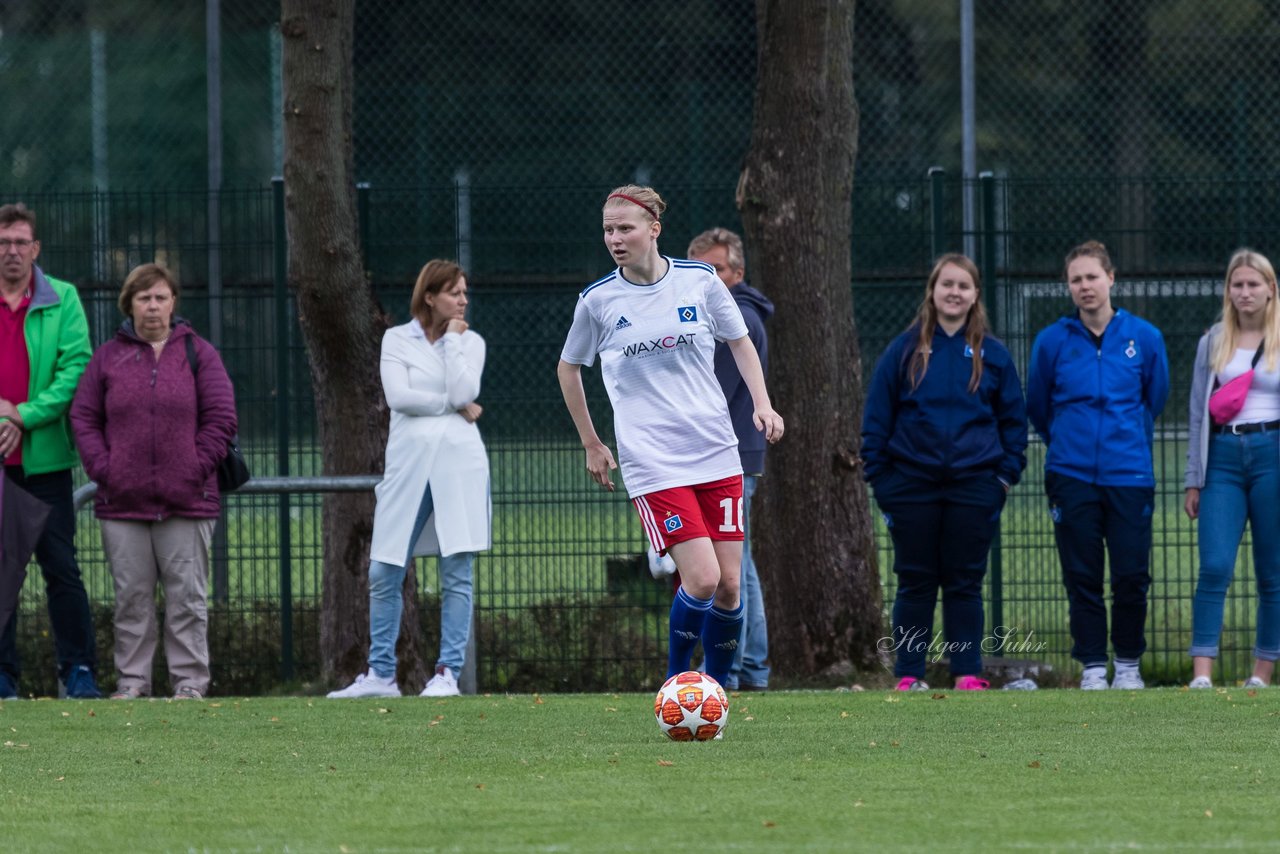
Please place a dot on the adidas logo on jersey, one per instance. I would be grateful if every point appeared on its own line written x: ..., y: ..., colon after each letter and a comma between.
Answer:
x: 622, y: 323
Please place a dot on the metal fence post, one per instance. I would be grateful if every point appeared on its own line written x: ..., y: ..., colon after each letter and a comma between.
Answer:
x: 937, y: 212
x: 362, y: 217
x: 987, y: 267
x: 280, y: 245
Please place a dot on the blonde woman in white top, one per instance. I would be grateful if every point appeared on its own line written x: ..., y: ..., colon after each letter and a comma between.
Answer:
x: 1233, y: 465
x: 654, y: 323
x: 434, y: 494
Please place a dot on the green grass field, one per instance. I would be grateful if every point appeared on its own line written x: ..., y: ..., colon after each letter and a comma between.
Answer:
x: 798, y: 771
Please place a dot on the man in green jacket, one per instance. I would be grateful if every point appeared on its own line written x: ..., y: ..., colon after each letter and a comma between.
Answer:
x: 44, y: 347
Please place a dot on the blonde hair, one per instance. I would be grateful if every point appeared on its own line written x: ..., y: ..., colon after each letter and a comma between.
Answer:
x: 141, y: 278
x: 1225, y: 347
x: 645, y: 198
x: 436, y: 275
x: 926, y: 323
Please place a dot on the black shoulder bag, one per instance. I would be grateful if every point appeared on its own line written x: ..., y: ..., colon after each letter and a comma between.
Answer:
x: 233, y: 472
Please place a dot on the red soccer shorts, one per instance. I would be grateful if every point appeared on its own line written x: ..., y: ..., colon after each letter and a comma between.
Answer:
x: 682, y: 513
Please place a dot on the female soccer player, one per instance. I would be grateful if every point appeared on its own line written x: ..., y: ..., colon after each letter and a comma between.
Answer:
x: 1233, y: 464
x: 1097, y: 381
x: 654, y: 322
x: 944, y: 438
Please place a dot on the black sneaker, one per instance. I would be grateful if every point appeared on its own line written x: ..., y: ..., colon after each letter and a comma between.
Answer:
x: 80, y: 684
x: 8, y: 687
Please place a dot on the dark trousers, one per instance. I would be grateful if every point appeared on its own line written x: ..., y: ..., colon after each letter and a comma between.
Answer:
x: 1085, y: 518
x: 942, y: 534
x: 68, y: 602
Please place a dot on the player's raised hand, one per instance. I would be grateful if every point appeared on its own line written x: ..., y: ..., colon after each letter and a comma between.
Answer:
x: 770, y: 423
x: 600, y: 464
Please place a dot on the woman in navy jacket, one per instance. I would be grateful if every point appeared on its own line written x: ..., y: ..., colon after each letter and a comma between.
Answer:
x: 944, y: 438
x: 1097, y: 381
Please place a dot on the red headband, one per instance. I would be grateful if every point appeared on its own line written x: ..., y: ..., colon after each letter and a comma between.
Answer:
x: 634, y: 201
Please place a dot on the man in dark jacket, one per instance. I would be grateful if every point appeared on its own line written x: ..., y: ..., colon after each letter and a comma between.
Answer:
x: 44, y: 346
x: 722, y: 249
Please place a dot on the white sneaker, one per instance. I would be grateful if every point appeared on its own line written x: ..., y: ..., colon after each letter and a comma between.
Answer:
x: 1201, y: 682
x: 367, y: 685
x: 661, y: 567
x: 1254, y: 682
x: 1128, y: 680
x: 1094, y: 679
x: 443, y: 684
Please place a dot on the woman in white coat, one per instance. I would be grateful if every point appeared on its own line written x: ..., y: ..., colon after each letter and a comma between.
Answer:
x: 434, y: 494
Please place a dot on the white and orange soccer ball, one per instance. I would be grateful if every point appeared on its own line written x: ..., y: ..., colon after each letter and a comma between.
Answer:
x: 691, y: 706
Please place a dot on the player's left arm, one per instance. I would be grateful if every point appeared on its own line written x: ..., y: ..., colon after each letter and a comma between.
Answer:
x: 1156, y: 385
x: 748, y: 361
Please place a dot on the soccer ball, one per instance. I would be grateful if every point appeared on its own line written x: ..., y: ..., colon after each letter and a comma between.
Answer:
x: 691, y: 706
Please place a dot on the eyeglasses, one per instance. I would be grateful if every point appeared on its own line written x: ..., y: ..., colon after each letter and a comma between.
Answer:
x: 5, y: 245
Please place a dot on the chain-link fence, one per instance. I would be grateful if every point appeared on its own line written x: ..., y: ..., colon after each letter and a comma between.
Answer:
x: 561, y: 601
x: 150, y: 93
x: 489, y: 132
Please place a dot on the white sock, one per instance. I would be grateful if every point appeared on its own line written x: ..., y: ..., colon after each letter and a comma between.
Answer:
x: 1096, y: 670
x: 1126, y: 665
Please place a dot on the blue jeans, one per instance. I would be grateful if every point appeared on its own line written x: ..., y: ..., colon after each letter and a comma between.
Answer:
x: 942, y: 533
x: 386, y: 604
x: 749, y: 665
x: 1242, y: 482
x: 73, y: 637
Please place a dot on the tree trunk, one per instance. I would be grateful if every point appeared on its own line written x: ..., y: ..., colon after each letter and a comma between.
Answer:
x: 814, y: 544
x: 341, y: 321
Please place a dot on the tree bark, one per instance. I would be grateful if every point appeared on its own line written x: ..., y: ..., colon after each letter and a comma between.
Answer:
x: 814, y: 543
x: 341, y: 322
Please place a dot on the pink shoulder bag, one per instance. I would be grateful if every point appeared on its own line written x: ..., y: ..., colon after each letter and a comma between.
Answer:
x: 1227, y: 400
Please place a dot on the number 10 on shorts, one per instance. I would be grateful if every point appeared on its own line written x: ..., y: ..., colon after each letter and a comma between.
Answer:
x: 732, y: 515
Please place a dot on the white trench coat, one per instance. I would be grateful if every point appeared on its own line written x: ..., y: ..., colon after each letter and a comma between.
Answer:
x: 425, y: 385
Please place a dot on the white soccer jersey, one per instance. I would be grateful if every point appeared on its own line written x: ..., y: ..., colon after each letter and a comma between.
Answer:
x: 656, y: 345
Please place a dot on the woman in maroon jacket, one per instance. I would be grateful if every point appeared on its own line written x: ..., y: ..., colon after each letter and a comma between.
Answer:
x: 150, y: 432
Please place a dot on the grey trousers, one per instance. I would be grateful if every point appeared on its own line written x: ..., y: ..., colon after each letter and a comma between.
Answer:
x: 175, y: 552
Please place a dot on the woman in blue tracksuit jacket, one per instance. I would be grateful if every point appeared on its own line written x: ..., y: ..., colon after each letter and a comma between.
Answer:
x: 944, y: 438
x: 1096, y: 383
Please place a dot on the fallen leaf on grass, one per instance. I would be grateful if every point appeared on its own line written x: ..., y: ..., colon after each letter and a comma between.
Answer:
x: 665, y: 763
x: 939, y: 696
x: 844, y: 715
x: 769, y: 823
x: 1034, y: 763
x: 66, y: 714
x: 1208, y: 813
x: 480, y: 786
